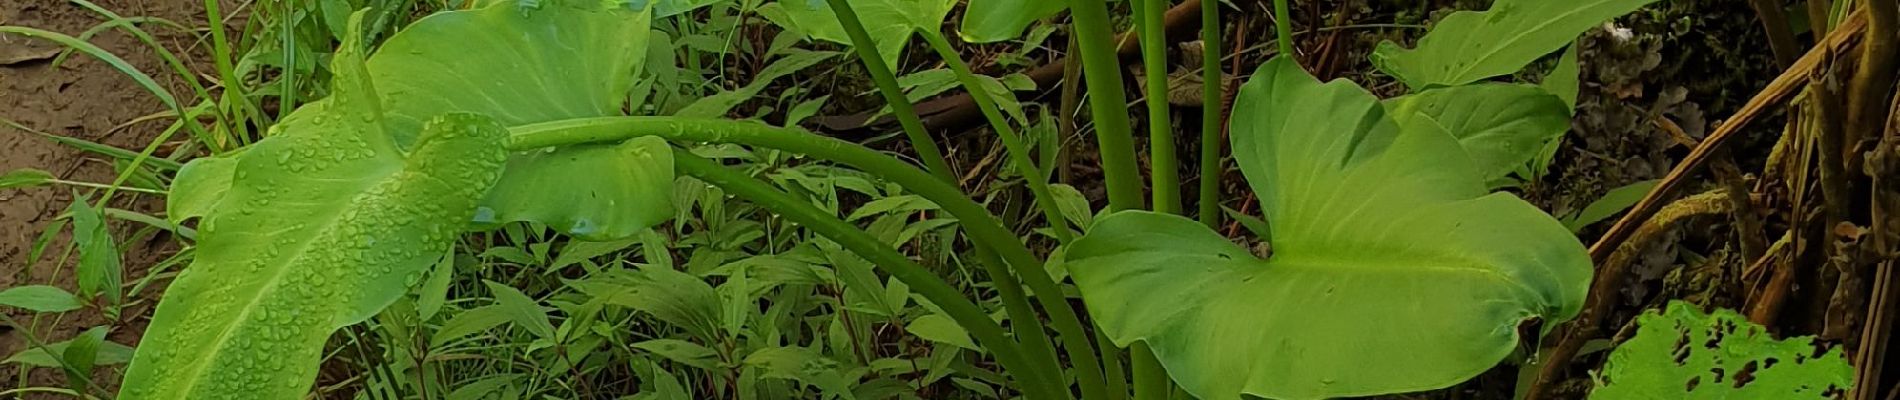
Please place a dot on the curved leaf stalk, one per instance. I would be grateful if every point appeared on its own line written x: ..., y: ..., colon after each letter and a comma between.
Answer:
x: 1088, y: 373
x: 886, y: 81
x: 1212, y: 103
x: 921, y: 280
x: 1108, y: 103
x: 981, y: 225
x: 1018, y: 152
x: 1162, y: 171
x: 1028, y: 326
x: 1283, y: 28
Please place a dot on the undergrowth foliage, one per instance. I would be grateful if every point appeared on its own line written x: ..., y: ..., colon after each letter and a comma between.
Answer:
x: 542, y: 199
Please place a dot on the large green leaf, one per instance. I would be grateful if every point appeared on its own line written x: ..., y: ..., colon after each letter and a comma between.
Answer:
x: 1391, y: 269
x: 1470, y: 45
x: 520, y: 68
x: 1686, y: 354
x: 326, y: 223
x: 889, y: 22
x: 521, y: 65
x: 988, y: 21
x: 1501, y: 126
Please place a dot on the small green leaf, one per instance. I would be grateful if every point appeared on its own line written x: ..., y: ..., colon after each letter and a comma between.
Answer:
x: 1468, y: 45
x: 82, y: 353
x: 100, y: 272
x: 109, y: 353
x: 890, y: 23
x: 1686, y: 354
x: 941, y: 329
x: 1377, y: 228
x: 198, y: 187
x: 1563, y: 80
x: 683, y: 352
x: 435, y: 291
x: 802, y: 365
x: 40, y: 298
x: 668, y: 8
x: 1615, y: 201
x: 1501, y: 126
x: 470, y: 322
x: 523, y: 310
x: 988, y: 21
x: 24, y: 177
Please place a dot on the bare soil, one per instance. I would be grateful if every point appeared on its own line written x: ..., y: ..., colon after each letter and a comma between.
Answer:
x: 83, y: 98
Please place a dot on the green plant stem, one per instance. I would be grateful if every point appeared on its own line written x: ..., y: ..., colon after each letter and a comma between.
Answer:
x: 981, y: 225
x: 886, y: 81
x: 1151, y: 382
x: 1107, y: 101
x: 1283, y: 28
x: 1018, y: 151
x: 920, y: 279
x: 1028, y: 326
x: 1213, y: 86
x: 1163, y: 170
x: 233, y: 92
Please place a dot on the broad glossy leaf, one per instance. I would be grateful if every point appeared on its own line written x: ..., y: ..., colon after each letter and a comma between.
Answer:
x: 326, y: 223
x: 1472, y: 45
x: 889, y: 22
x: 1391, y: 270
x: 521, y: 67
x: 1687, y: 354
x: 1501, y: 126
x: 524, y: 63
x: 988, y: 21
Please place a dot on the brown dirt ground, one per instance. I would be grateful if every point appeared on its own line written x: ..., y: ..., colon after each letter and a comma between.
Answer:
x: 84, y: 98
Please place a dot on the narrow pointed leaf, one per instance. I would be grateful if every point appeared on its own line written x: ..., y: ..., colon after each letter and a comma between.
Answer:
x: 39, y: 298
x: 1472, y: 45
x: 1391, y: 269
x: 100, y: 270
x: 24, y: 177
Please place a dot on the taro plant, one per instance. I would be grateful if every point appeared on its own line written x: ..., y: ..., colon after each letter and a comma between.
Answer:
x: 1391, y: 267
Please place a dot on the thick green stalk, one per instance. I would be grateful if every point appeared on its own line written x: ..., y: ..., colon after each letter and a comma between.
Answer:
x: 1028, y: 326
x: 233, y: 93
x: 1088, y: 376
x: 1107, y: 101
x: 886, y: 81
x: 1162, y: 171
x: 1151, y: 382
x: 1283, y: 26
x: 1019, y: 153
x: 966, y: 313
x: 982, y: 227
x: 1213, y: 86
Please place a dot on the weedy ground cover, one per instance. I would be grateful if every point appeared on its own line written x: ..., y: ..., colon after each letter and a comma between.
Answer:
x: 393, y: 199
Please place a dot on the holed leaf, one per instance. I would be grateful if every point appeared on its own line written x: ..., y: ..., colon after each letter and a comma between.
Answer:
x: 1687, y: 354
x: 1471, y: 45
x: 1391, y: 269
x: 326, y: 223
